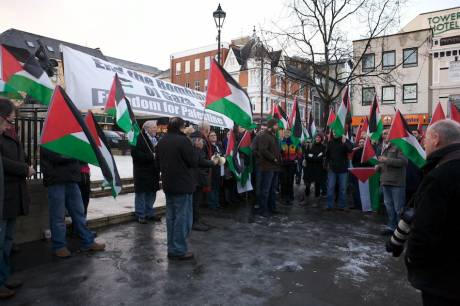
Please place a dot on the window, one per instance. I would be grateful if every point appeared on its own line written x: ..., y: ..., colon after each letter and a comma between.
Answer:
x: 436, y: 55
x: 368, y: 95
x: 197, y: 85
x: 30, y: 44
x: 289, y: 85
x: 302, y: 90
x: 197, y: 64
x: 253, y: 103
x: 205, y: 84
x: 50, y: 49
x: 266, y: 105
x: 178, y: 68
x: 388, y: 94
x: 302, y: 112
x: 187, y: 85
x: 389, y: 59
x: 454, y: 52
x: 207, y: 62
x: 436, y: 42
x: 441, y: 54
x: 368, y: 62
x: 448, y: 53
x: 289, y: 107
x: 410, y: 57
x: 278, y: 83
x: 187, y: 67
x: 410, y: 93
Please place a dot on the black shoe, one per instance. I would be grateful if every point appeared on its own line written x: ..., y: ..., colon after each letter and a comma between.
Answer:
x: 264, y: 214
x: 142, y: 221
x: 387, y: 232
x: 200, y: 227
x: 154, y: 218
x: 186, y: 256
x: 13, y: 284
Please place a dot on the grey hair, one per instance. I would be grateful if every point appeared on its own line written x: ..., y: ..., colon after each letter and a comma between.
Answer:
x: 149, y: 123
x: 204, y: 126
x: 448, y: 130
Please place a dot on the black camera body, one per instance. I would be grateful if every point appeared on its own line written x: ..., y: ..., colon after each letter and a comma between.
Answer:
x: 395, y: 244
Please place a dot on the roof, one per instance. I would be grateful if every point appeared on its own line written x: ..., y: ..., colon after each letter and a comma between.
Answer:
x: 163, y: 74
x: 134, y: 66
x: 25, y: 40
x: 447, y: 9
x: 253, y: 49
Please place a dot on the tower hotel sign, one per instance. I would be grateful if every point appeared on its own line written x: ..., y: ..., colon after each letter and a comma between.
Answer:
x: 445, y: 22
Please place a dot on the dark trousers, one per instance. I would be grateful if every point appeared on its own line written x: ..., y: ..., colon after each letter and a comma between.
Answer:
x: 436, y: 300
x: 287, y: 181
x: 198, y: 198
x: 356, y: 196
x: 85, y: 190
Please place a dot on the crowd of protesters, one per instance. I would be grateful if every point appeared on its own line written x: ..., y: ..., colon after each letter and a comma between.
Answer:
x: 189, y: 164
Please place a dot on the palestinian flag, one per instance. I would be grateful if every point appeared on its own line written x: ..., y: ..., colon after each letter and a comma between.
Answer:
x: 331, y: 118
x: 296, y: 124
x: 312, y: 126
x: 438, y: 114
x: 118, y: 106
x: 369, y: 155
x: 454, y: 114
x: 21, y: 72
x: 65, y: 132
x: 400, y: 136
x: 226, y: 96
x: 339, y: 124
x: 369, y: 187
x: 239, y: 165
x: 375, y: 121
x: 278, y: 113
x: 102, y: 144
x: 362, y: 130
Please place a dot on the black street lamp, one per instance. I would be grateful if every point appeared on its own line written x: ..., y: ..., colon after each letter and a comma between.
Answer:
x: 219, y: 18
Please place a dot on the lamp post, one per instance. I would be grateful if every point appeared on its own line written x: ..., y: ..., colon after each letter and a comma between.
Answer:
x: 219, y: 18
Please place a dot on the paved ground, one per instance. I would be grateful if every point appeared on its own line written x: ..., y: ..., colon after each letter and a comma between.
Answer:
x: 302, y: 257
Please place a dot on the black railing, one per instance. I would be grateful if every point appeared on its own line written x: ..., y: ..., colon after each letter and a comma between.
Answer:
x: 29, y: 124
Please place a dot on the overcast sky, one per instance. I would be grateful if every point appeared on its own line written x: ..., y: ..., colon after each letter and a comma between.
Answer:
x: 147, y: 31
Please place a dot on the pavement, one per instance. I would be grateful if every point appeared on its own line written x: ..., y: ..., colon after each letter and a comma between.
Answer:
x: 303, y: 256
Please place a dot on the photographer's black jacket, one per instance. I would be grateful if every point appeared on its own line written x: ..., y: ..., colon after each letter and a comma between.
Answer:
x: 432, y: 256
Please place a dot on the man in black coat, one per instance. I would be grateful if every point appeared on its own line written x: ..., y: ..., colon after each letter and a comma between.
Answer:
x: 14, y: 200
x: 432, y: 257
x: 178, y: 159
x: 337, y: 160
x: 314, y: 167
x: 146, y: 173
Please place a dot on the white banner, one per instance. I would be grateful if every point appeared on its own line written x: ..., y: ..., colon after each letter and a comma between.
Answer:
x: 88, y: 80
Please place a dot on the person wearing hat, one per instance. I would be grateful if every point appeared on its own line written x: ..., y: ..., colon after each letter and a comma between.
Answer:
x: 268, y: 154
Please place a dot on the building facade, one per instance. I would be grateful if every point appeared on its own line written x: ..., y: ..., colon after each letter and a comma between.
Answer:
x: 267, y: 76
x: 190, y: 68
x: 419, y: 66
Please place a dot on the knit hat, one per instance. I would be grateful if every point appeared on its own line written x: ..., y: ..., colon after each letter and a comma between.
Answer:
x: 271, y: 123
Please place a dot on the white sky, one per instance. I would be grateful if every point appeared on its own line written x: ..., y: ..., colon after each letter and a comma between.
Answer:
x: 148, y: 31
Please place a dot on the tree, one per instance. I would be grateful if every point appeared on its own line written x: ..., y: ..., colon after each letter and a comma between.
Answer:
x: 316, y: 33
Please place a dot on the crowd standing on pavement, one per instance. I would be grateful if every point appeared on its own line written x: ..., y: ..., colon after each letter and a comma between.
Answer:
x: 187, y: 162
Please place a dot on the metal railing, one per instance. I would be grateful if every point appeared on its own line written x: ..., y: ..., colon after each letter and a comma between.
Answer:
x: 29, y: 124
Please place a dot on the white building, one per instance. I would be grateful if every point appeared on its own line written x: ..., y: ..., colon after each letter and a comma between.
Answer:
x: 412, y: 69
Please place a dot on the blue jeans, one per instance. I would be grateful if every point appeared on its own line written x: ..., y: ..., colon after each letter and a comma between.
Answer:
x: 143, y: 204
x: 394, y: 198
x: 7, y: 229
x: 67, y: 196
x: 267, y: 196
x: 332, y: 179
x: 213, y: 196
x: 179, y: 219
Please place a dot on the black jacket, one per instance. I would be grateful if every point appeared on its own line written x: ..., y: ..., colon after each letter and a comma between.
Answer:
x: 432, y: 256
x: 58, y: 169
x: 215, y: 170
x: 145, y: 167
x: 337, y: 155
x: 314, y: 157
x: 177, y: 159
x: 15, y: 170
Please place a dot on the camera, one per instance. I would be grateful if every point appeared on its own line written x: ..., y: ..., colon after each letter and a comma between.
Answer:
x: 395, y: 244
